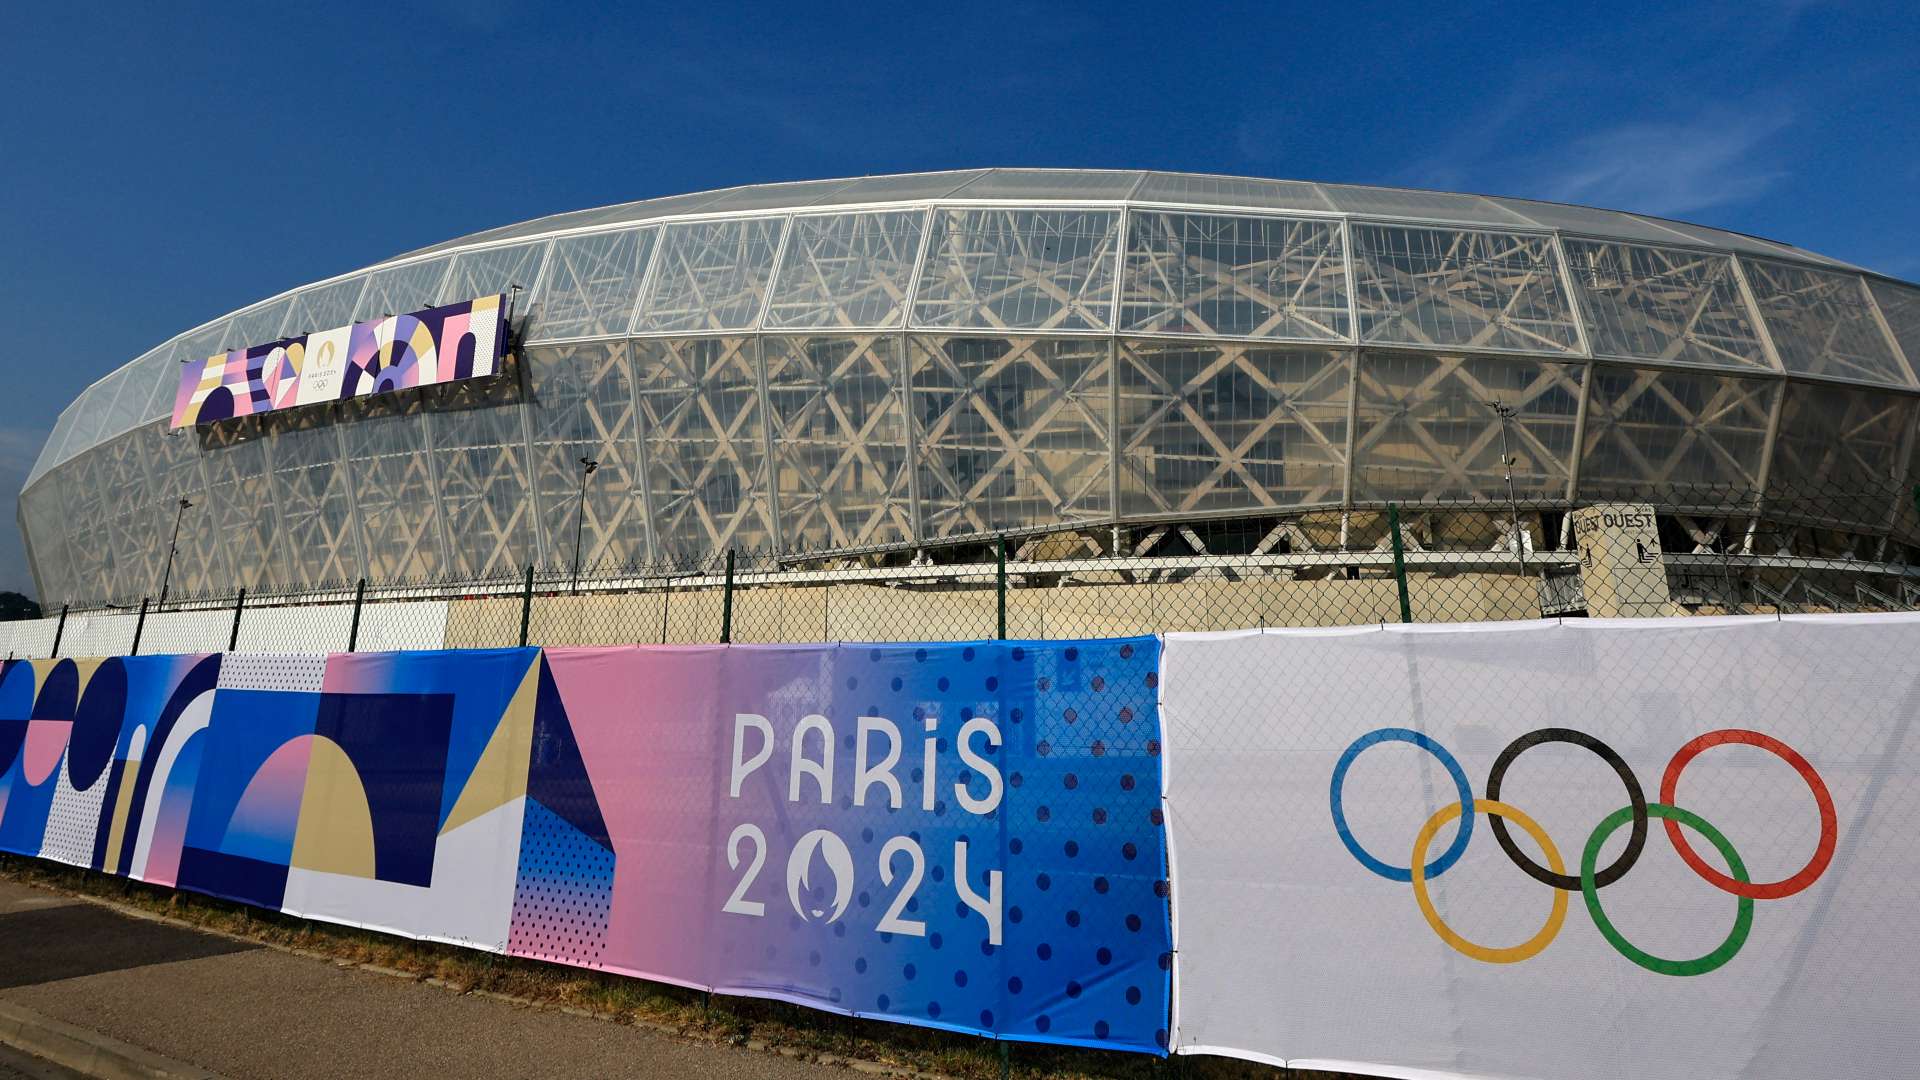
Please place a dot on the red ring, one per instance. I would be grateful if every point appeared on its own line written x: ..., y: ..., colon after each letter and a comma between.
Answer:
x: 1829, y: 821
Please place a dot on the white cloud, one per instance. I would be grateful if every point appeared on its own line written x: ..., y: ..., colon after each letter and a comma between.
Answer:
x: 1666, y: 167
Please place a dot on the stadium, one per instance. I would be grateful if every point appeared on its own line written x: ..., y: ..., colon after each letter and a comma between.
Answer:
x: 882, y: 371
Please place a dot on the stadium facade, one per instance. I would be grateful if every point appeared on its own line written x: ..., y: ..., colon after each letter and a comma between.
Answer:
x: 872, y: 368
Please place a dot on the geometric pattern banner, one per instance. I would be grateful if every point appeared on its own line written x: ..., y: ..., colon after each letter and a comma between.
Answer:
x: 1576, y: 850
x: 962, y: 836
x: 422, y: 348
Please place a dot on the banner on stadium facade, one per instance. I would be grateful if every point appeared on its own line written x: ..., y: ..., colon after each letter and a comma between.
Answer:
x: 465, y: 340
x: 1655, y: 848
x: 965, y: 836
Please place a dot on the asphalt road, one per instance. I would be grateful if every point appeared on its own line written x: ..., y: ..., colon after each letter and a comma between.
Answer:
x: 243, y: 1010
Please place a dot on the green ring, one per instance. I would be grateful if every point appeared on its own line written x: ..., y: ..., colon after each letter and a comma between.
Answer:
x: 1742, y: 922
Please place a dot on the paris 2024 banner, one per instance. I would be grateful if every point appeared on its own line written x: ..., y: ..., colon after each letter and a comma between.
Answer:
x: 1673, y: 848
x: 966, y: 836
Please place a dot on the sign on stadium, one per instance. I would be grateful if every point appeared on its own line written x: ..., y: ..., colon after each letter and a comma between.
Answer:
x: 421, y: 348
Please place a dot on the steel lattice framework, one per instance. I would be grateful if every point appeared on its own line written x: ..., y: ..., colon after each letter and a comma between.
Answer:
x: 897, y: 361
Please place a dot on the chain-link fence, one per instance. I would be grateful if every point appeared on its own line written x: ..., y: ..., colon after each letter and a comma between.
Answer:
x: 1672, y: 551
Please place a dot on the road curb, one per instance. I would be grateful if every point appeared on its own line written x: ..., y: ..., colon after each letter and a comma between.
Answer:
x: 89, y: 1052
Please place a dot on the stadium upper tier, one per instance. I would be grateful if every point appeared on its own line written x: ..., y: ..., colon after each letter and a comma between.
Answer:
x: 949, y: 353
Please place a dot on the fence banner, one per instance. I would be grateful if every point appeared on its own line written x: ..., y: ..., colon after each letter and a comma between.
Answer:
x: 960, y: 835
x: 1650, y: 848
x: 965, y: 836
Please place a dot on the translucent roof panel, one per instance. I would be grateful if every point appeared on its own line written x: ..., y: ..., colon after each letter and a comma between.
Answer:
x: 89, y: 421
x: 140, y: 396
x: 1822, y: 323
x: 592, y: 284
x: 1399, y: 202
x: 1049, y: 184
x: 846, y: 270
x: 1667, y: 304
x: 208, y: 340
x: 1231, y: 191
x: 166, y: 385
x: 1018, y: 269
x: 324, y: 307
x: 692, y: 202
x: 1281, y: 409
x: 1900, y: 306
x: 396, y: 290
x: 1216, y: 275
x: 259, y: 324
x: 50, y: 450
x: 1650, y: 427
x: 495, y: 270
x: 1740, y: 242
x: 771, y: 196
x: 1466, y: 288
x: 617, y: 214
x: 711, y: 275
x: 909, y: 188
x: 1427, y: 426
x: 1582, y: 219
x: 1837, y: 449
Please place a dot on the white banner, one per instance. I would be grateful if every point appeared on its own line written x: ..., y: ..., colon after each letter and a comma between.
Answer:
x: 1676, y: 848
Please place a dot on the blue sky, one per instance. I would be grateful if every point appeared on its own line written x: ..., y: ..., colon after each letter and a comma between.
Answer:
x: 160, y: 165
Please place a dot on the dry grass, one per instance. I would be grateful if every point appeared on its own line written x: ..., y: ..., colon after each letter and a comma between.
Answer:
x: 762, y: 1025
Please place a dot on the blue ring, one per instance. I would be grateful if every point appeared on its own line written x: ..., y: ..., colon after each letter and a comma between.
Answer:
x: 1406, y: 735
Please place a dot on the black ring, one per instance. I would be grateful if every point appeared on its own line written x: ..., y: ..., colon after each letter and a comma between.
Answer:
x: 1635, y: 841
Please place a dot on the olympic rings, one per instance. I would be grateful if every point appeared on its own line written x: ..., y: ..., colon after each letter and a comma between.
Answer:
x: 1512, y: 954
x: 1391, y: 734
x: 1591, y: 879
x: 1829, y: 821
x: 1638, y: 800
x: 1673, y: 816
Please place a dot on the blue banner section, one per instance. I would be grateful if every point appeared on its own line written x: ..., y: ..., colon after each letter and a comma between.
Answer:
x: 958, y: 835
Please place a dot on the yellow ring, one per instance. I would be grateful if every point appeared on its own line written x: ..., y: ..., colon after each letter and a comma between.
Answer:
x: 1512, y: 954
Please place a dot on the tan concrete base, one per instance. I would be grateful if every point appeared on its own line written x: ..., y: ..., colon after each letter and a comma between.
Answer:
x: 858, y: 612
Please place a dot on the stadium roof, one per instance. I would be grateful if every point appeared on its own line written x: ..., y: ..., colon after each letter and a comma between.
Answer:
x: 1154, y: 188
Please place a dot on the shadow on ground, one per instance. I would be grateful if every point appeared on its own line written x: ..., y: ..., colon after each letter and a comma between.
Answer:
x: 39, y: 944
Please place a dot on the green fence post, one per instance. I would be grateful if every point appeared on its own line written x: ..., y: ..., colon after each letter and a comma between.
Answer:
x: 60, y: 631
x: 526, y: 607
x: 1000, y: 557
x: 1399, y: 563
x: 239, y: 605
x: 139, y: 628
x: 726, y: 604
x: 359, y: 601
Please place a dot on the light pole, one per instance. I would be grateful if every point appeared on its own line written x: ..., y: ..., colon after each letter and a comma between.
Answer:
x: 173, y: 547
x: 587, y: 467
x: 1506, y: 413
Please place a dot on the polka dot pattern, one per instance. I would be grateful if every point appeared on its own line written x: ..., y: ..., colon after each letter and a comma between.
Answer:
x: 1075, y: 838
x: 273, y: 671
x: 565, y: 892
